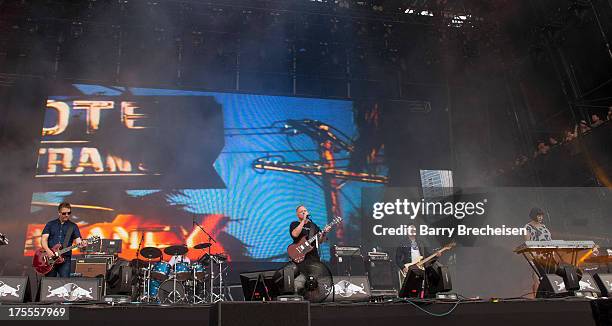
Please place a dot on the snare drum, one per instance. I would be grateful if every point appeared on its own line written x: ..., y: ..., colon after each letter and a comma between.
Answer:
x: 182, y: 272
x: 160, y: 270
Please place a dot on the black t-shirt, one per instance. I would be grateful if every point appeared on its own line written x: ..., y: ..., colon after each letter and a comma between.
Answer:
x: 309, y: 230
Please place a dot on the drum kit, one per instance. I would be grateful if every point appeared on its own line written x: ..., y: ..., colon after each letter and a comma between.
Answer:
x: 181, y: 281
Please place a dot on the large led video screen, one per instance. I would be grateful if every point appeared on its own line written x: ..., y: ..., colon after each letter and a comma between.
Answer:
x: 148, y: 165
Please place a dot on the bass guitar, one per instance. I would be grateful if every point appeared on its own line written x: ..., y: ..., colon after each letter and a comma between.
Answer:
x: 421, y: 262
x: 297, y: 251
x: 43, y: 263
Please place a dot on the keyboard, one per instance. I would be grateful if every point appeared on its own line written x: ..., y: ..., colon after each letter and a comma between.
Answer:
x: 554, y: 245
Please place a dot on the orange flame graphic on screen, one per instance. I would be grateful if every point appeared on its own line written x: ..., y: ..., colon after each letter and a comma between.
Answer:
x: 130, y: 228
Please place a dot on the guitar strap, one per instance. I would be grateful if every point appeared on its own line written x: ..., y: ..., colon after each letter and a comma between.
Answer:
x: 312, y: 232
x: 65, y: 244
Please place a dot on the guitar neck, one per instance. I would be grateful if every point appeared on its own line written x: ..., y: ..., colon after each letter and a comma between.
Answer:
x: 320, y: 233
x: 430, y: 257
x: 65, y: 250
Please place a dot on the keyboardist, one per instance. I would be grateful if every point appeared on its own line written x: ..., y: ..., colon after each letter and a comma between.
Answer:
x: 537, y: 231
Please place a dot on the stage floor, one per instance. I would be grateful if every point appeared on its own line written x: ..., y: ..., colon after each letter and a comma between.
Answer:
x: 572, y: 311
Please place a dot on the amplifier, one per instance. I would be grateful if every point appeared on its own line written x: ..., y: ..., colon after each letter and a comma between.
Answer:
x: 381, y: 275
x: 91, y: 267
x: 376, y: 255
x: 110, y: 259
x: 347, y: 260
x: 343, y: 251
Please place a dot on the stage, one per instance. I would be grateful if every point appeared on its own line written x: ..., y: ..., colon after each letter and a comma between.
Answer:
x: 568, y: 311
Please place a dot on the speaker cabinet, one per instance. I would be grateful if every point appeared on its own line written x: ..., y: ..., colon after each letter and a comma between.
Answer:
x: 14, y: 289
x: 380, y: 275
x: 551, y: 285
x: 605, y: 283
x: 588, y: 283
x: 349, y: 289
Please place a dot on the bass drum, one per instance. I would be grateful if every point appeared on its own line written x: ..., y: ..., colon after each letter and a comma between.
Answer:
x: 166, y: 293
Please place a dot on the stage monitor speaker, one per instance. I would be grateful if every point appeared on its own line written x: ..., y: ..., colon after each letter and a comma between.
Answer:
x: 605, y: 283
x: 349, y: 289
x: 259, y: 286
x: 439, y: 279
x: 59, y: 289
x: 413, y: 284
x: 284, y: 278
x: 588, y: 283
x: 435, y: 277
x: 120, y: 279
x: 14, y: 289
x: 570, y: 277
x: 551, y: 285
x: 291, y: 313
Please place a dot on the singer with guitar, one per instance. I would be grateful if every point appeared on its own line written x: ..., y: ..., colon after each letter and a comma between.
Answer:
x: 61, y: 231
x: 304, y: 227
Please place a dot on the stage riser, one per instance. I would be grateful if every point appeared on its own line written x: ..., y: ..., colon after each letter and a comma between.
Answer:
x: 550, y: 312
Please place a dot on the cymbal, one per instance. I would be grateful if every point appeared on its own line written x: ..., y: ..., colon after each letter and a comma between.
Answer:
x: 218, y: 257
x: 203, y: 245
x: 176, y: 250
x: 150, y: 252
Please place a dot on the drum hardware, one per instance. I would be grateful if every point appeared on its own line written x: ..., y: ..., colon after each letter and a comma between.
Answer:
x: 215, y: 267
x: 216, y: 277
x: 196, y: 283
x: 149, y: 253
x: 175, y: 296
x: 178, y: 273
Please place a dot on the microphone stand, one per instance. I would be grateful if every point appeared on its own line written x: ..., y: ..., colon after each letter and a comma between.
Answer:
x: 210, y: 238
x: 138, y: 268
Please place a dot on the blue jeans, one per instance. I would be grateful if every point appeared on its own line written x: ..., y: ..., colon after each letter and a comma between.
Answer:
x: 61, y: 270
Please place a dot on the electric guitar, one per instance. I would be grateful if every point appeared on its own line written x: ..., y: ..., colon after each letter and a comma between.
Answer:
x: 420, y: 262
x: 297, y: 251
x: 43, y: 263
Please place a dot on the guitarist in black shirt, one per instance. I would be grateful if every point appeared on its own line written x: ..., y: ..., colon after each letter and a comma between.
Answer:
x: 305, y: 227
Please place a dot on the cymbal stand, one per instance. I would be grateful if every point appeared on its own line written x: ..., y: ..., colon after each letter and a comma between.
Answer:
x: 196, y: 298
x: 146, y: 284
x: 214, y: 297
x: 216, y: 263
